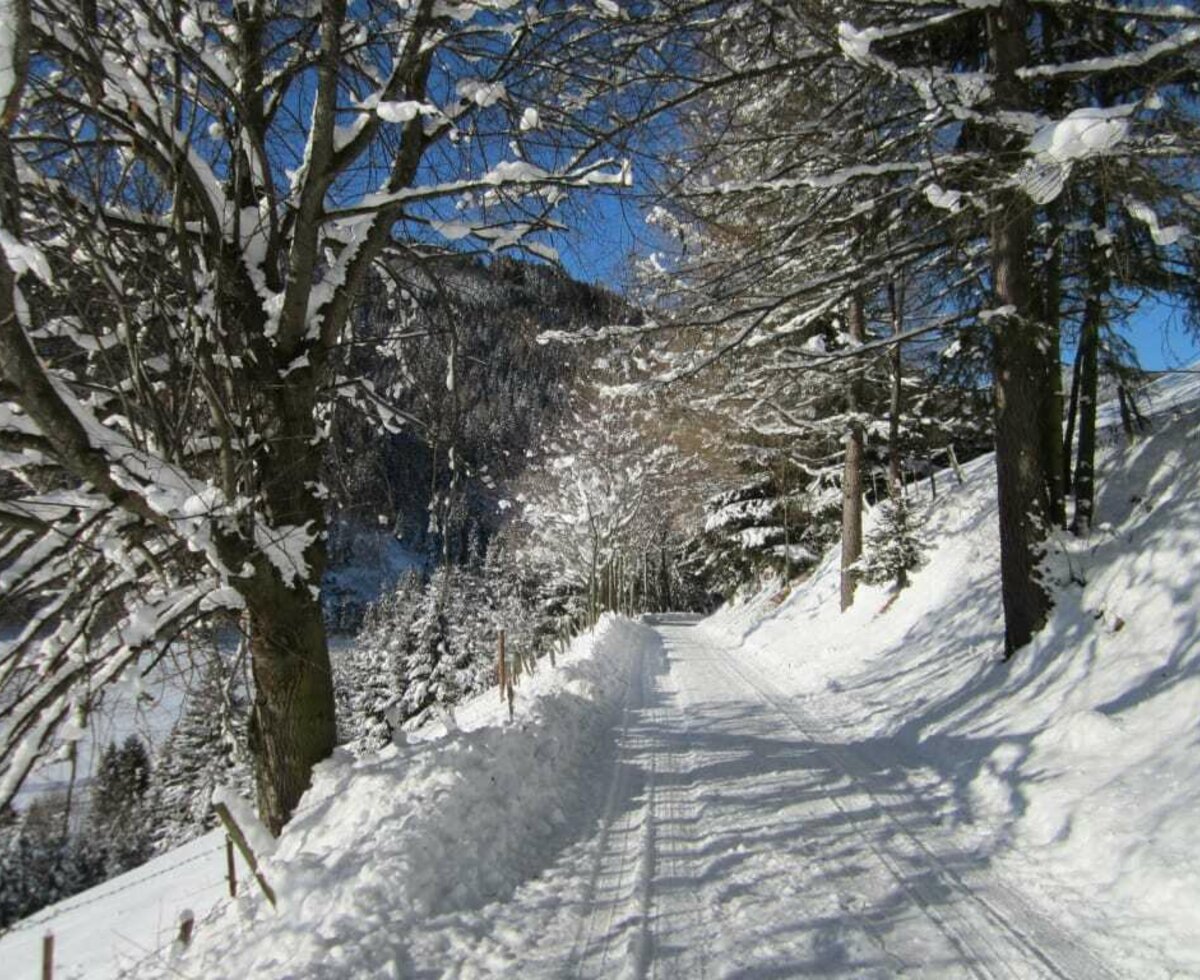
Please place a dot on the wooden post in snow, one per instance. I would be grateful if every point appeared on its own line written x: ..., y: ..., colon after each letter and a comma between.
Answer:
x: 501, y: 668
x: 958, y: 473
x: 235, y: 833
x: 230, y: 869
x: 48, y: 956
x: 187, y: 924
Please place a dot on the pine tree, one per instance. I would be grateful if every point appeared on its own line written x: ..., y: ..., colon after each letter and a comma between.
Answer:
x: 119, y: 819
x: 894, y: 546
x: 41, y: 862
x: 206, y: 749
x: 367, y: 678
x: 431, y: 665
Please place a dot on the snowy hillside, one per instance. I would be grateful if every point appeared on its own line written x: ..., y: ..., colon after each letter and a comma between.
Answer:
x: 783, y: 789
x: 1074, y: 768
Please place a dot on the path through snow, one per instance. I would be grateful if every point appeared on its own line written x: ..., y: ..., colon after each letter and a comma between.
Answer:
x: 740, y: 837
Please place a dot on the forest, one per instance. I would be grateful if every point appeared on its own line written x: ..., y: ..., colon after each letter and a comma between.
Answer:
x: 310, y: 391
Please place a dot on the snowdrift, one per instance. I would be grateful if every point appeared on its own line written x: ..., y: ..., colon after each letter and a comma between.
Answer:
x: 450, y: 823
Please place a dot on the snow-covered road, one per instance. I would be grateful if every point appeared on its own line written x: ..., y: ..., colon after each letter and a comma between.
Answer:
x: 739, y: 836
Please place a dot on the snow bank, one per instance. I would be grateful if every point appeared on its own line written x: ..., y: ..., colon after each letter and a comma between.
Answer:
x: 455, y: 822
x: 1074, y: 767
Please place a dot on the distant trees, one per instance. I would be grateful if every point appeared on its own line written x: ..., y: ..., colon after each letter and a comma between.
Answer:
x: 605, y: 505
x: 118, y: 822
x: 207, y: 748
x: 41, y: 860
x: 46, y: 857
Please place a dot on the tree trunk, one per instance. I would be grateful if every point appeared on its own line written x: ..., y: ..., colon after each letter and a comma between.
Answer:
x: 895, y: 473
x: 1089, y: 375
x: 292, y: 724
x: 1019, y: 359
x: 1085, y: 462
x: 1069, y: 435
x: 1132, y: 420
x: 664, y: 578
x: 852, y: 478
x: 1052, y: 425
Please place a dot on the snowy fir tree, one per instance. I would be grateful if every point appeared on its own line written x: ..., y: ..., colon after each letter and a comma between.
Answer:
x: 119, y: 818
x: 433, y: 666
x: 368, y: 676
x: 894, y: 546
x: 207, y: 748
x: 41, y: 861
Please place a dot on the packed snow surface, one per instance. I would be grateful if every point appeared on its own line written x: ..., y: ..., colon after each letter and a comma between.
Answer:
x: 782, y: 790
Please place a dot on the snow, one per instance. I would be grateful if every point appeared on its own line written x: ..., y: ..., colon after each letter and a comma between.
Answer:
x: 939, y: 197
x: 24, y: 258
x: 260, y: 840
x: 1183, y: 39
x: 781, y: 790
x: 1083, y: 133
x: 1057, y: 146
x: 284, y: 547
x: 1161, y: 236
x: 515, y: 171
x: 483, y: 94
x: 530, y: 119
x: 8, y: 40
x: 109, y: 929
x: 189, y: 27
x: 1072, y: 769
x: 402, y: 112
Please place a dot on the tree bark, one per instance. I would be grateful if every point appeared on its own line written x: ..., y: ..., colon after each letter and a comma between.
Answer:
x: 1089, y: 373
x: 1019, y: 360
x: 292, y: 722
x: 895, y: 473
x: 1069, y: 435
x: 852, y: 477
x: 1052, y: 417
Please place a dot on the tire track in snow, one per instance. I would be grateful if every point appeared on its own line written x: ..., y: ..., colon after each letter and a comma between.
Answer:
x: 604, y: 944
x: 675, y: 910
x: 639, y: 895
x: 700, y: 641
x: 984, y: 934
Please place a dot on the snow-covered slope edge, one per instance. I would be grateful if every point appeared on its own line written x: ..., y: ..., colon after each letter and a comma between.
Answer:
x: 380, y: 844
x: 1074, y: 769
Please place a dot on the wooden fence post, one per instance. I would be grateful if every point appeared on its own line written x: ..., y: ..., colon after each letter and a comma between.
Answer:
x: 230, y: 870
x: 958, y: 473
x: 187, y: 923
x: 502, y: 668
x: 48, y: 956
x: 235, y: 832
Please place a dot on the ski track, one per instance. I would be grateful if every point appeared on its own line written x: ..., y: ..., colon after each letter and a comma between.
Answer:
x: 738, y: 836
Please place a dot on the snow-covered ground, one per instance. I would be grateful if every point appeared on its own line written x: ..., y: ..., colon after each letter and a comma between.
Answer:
x: 108, y: 930
x: 782, y: 790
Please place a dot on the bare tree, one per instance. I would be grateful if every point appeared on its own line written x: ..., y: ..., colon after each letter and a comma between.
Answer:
x: 194, y: 195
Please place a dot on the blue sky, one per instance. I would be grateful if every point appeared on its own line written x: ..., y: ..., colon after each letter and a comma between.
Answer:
x: 606, y: 228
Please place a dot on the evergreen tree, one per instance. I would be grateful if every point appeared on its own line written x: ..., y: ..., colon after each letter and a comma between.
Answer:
x: 894, y: 547
x: 206, y: 749
x: 432, y: 662
x: 41, y: 862
x: 367, y: 678
x: 118, y: 823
